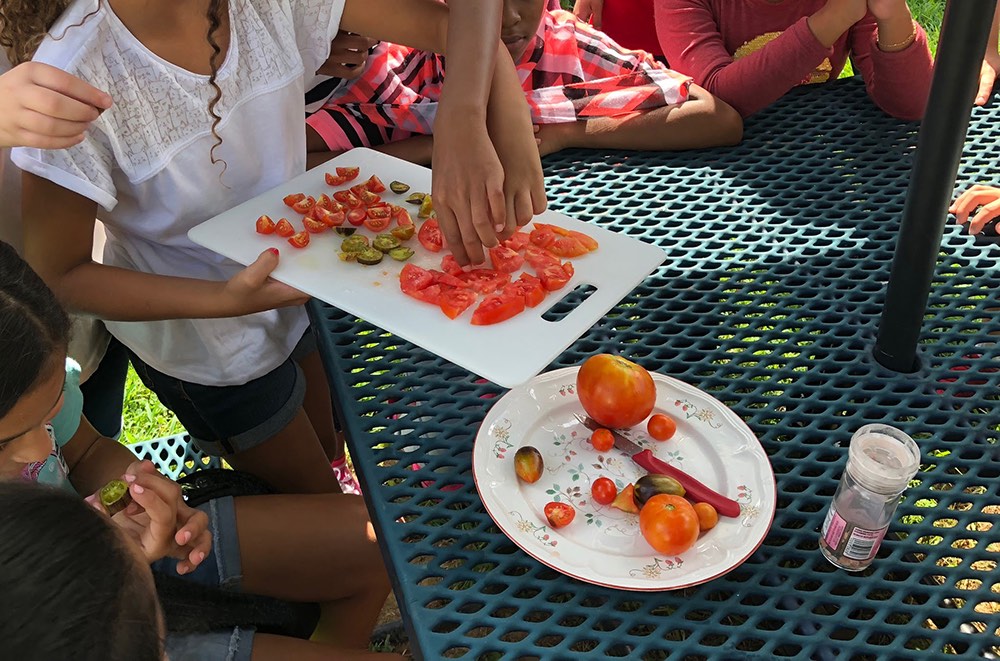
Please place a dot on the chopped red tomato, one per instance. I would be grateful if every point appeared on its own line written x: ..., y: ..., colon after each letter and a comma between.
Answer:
x: 413, y: 278
x: 375, y: 185
x: 380, y: 211
x: 337, y: 180
x: 497, y: 308
x: 505, y: 260
x: 305, y: 205
x: 588, y: 242
x: 402, y: 216
x: 284, y: 228
x: 518, y: 241
x: 265, y: 225
x: 349, y: 172
x: 357, y: 189
x: 377, y: 224
x: 529, y: 288
x: 542, y: 238
x: 430, y: 235
x: 485, y: 281
x: 357, y: 217
x: 325, y: 202
x: 430, y: 294
x: 348, y: 198
x: 450, y: 265
x: 539, y: 258
x: 567, y: 246
x: 455, y: 301
x: 368, y: 198
x: 300, y: 240
x: 448, y: 280
x: 290, y: 200
x: 313, y: 226
x: 555, y: 276
x: 328, y: 218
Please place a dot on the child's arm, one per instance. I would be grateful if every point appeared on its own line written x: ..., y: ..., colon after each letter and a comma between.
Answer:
x: 691, y: 39
x: 45, y: 107
x: 423, y: 24
x: 891, y: 52
x: 987, y: 197
x: 165, y: 525
x: 58, y: 239
x: 701, y: 121
x: 991, y: 62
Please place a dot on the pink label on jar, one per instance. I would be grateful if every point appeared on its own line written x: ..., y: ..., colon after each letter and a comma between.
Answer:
x: 833, y: 528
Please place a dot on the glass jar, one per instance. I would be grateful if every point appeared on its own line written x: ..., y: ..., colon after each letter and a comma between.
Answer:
x: 881, y: 461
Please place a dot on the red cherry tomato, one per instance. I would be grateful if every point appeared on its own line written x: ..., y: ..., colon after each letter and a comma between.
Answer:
x: 336, y: 180
x: 375, y: 185
x: 367, y: 197
x: 300, y: 240
x: 304, y: 205
x: 313, y: 226
x: 265, y: 225
x: 357, y: 217
x: 284, y: 228
x: 603, y: 491
x: 614, y: 391
x: 377, y: 224
x: 430, y: 235
x: 291, y: 200
x: 661, y: 427
x: 707, y: 516
x: 559, y: 514
x: 602, y: 440
x: 349, y: 172
x: 669, y: 524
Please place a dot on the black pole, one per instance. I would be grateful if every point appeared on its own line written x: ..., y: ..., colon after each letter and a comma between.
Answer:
x: 939, y: 147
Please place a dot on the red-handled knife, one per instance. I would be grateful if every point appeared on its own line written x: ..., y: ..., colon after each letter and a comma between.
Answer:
x: 695, y: 489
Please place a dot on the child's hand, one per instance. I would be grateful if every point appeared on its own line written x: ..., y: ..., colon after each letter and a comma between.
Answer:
x: 467, y: 184
x: 886, y: 9
x: 986, y: 196
x: 988, y: 76
x: 589, y: 10
x: 45, y: 107
x: 348, y: 55
x: 514, y: 138
x: 252, y: 289
x: 551, y: 138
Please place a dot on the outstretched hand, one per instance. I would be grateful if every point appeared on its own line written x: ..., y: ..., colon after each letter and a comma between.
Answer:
x: 252, y: 289
x: 987, y: 197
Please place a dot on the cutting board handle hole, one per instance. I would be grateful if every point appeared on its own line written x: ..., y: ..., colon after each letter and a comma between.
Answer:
x: 571, y: 301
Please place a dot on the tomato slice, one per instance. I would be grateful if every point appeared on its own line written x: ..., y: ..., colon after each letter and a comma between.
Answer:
x: 413, y: 278
x: 300, y: 240
x: 448, y: 280
x: 290, y: 200
x: 338, y: 180
x: 265, y: 225
x: 328, y: 218
x: 567, y: 246
x: 518, y: 241
x: 454, y: 302
x: 348, y: 198
x: 555, y: 276
x: 402, y: 216
x: 497, y: 308
x: 431, y: 294
x: 539, y: 258
x: 450, y: 265
x: 284, y: 228
x: 485, y: 281
x: 529, y: 288
x: 357, y: 217
x: 375, y: 185
x: 368, y: 198
x: 430, y: 235
x: 542, y: 238
x: 305, y: 205
x: 377, y: 224
x: 325, y: 202
x: 348, y: 172
x: 380, y: 211
x: 313, y: 226
x: 505, y: 260
x: 587, y: 241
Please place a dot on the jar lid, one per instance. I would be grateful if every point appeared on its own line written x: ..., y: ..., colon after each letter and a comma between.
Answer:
x: 882, y: 458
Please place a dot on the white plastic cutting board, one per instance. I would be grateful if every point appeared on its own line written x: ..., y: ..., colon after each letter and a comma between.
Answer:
x: 507, y: 353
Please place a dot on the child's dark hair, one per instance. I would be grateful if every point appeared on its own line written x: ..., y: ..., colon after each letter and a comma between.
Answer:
x: 69, y: 586
x: 34, y: 329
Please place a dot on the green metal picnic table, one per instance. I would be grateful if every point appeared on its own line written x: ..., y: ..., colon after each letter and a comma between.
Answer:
x: 777, y: 256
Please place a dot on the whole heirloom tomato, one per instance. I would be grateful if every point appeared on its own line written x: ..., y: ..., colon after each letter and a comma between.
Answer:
x: 669, y: 524
x: 614, y: 391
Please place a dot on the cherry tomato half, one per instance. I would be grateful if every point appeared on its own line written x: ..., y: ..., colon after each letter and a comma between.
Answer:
x: 300, y: 240
x: 559, y: 514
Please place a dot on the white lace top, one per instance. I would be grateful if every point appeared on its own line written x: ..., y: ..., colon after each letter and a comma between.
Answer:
x: 146, y: 162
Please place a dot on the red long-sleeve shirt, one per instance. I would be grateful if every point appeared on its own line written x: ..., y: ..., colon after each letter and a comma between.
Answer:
x: 750, y: 53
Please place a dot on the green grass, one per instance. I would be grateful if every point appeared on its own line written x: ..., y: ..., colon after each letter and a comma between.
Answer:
x: 146, y: 418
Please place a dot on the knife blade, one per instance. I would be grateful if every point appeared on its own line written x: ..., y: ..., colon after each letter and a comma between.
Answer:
x: 645, y: 458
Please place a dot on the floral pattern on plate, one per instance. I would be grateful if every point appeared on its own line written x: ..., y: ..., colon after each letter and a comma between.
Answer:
x: 603, y: 545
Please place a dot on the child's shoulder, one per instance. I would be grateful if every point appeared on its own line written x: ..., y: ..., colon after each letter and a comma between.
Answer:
x: 78, y: 35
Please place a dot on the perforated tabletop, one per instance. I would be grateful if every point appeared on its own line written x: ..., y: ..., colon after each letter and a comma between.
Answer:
x: 778, y: 254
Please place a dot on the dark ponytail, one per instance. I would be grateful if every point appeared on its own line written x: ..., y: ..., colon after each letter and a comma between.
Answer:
x: 70, y: 588
x: 34, y: 329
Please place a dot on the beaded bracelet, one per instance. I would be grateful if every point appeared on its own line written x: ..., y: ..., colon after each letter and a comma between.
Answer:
x: 903, y: 44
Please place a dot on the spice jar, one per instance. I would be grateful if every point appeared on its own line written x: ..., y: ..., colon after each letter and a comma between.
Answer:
x: 881, y: 461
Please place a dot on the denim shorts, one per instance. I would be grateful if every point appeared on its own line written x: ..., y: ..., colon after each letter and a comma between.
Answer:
x: 225, y: 420
x: 221, y: 568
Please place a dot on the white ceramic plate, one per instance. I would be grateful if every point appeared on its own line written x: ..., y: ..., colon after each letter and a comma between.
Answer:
x: 603, y: 545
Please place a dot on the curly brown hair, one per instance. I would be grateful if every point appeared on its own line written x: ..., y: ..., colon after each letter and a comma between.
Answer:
x: 24, y: 23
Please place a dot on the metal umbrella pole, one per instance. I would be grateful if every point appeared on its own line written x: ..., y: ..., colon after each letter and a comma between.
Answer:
x: 939, y: 147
